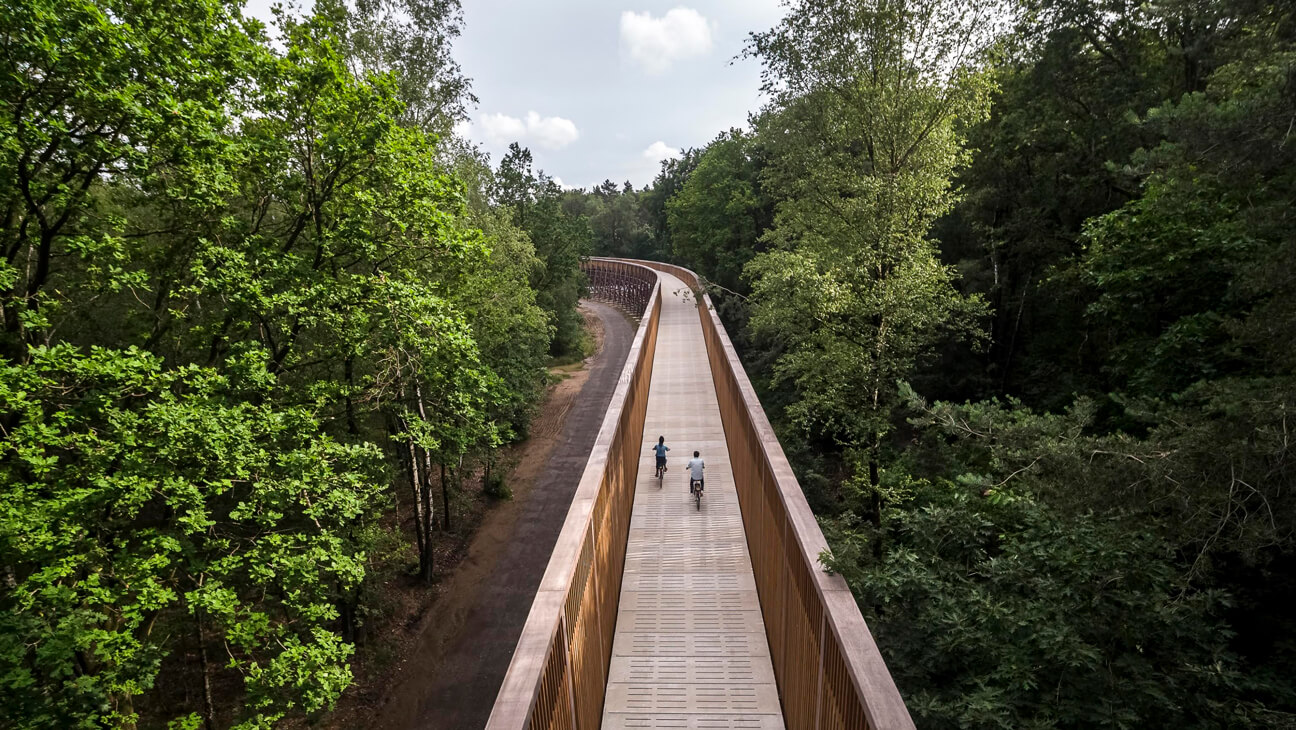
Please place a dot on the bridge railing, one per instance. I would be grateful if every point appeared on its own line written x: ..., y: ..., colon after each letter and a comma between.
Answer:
x: 618, y: 283
x: 829, y: 672
x: 558, y: 674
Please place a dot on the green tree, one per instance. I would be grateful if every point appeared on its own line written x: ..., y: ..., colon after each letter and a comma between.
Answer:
x: 1190, y: 279
x: 1073, y: 83
x: 412, y: 39
x: 433, y: 393
x: 654, y: 201
x: 97, y: 95
x: 1000, y: 609
x: 618, y: 222
x: 233, y: 270
x: 719, y: 213
x: 1041, y: 575
x: 512, y: 330
x: 560, y: 239
x: 147, y: 508
x: 862, y: 139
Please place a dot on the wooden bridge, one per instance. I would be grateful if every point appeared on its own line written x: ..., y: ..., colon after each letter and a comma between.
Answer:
x: 655, y: 613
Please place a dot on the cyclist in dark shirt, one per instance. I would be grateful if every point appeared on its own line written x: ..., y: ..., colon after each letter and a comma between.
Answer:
x: 661, y: 448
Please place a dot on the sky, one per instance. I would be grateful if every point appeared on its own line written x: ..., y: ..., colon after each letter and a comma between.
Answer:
x: 604, y: 89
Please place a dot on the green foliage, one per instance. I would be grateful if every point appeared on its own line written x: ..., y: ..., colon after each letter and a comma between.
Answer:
x: 1003, y: 612
x: 496, y: 487
x: 512, y: 330
x: 1037, y: 575
x: 139, y: 497
x: 1115, y: 547
x: 629, y: 223
x: 1071, y: 87
x: 1169, y: 315
x: 719, y: 213
x: 246, y: 289
x: 655, y: 201
x: 1207, y: 476
x: 618, y: 222
x: 1192, y: 278
x: 560, y: 239
x: 861, y: 140
x: 414, y: 38
x: 83, y: 104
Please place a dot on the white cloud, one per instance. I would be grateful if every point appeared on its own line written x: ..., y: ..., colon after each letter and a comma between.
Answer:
x: 656, y: 43
x: 659, y: 150
x: 501, y: 128
x: 551, y: 133
x: 559, y: 182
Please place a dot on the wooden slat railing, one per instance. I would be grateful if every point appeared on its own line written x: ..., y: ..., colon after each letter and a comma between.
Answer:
x: 558, y: 675
x: 830, y: 674
x: 620, y: 284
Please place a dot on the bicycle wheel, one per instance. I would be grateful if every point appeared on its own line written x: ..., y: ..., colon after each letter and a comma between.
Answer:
x: 697, y: 497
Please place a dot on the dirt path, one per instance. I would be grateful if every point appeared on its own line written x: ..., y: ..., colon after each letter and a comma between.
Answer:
x: 450, y: 678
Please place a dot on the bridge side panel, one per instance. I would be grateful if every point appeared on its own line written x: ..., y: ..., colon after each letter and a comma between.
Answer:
x: 620, y: 284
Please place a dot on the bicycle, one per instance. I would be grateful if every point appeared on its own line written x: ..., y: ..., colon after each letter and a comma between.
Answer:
x: 695, y: 486
x: 660, y: 450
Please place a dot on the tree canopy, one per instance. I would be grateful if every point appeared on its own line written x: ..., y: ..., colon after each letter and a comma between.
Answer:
x: 254, y: 298
x: 1016, y: 289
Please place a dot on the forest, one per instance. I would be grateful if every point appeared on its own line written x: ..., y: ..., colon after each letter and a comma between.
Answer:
x: 1016, y: 282
x: 1018, y: 285
x: 263, y: 316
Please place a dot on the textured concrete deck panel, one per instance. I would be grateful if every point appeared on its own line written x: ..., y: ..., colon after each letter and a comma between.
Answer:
x: 690, y: 648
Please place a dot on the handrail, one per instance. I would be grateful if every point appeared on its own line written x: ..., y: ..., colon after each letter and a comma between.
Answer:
x: 841, y: 682
x: 558, y: 674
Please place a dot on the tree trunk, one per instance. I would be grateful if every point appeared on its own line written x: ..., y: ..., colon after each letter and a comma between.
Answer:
x: 420, y: 490
x: 416, y: 491
x: 347, y: 603
x: 875, y: 481
x: 209, y: 707
x: 348, y: 366
x: 430, y: 515
x: 427, y: 564
x: 445, y: 499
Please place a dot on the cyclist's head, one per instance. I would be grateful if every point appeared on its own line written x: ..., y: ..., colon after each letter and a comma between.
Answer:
x: 661, y: 439
x: 696, y: 454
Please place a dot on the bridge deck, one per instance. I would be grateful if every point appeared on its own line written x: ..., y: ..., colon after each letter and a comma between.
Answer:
x: 690, y: 648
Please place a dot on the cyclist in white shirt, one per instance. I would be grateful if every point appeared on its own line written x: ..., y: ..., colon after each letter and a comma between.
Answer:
x: 695, y: 467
